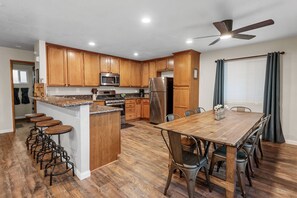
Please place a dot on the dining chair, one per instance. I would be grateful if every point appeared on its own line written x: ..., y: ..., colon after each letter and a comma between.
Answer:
x: 187, y: 143
x: 256, y: 138
x: 189, y: 163
x: 171, y: 117
x: 189, y: 112
x: 241, y: 109
x: 241, y: 160
x: 200, y: 110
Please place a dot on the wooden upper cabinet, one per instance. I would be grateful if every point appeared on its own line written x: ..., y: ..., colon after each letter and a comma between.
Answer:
x: 109, y: 64
x: 75, y: 68
x: 165, y: 64
x: 170, y: 63
x: 161, y: 64
x: 152, y: 69
x: 56, y: 66
x: 135, y: 74
x: 145, y: 75
x: 125, y: 72
x: 91, y: 69
x: 114, y: 65
x: 182, y: 69
x: 104, y: 63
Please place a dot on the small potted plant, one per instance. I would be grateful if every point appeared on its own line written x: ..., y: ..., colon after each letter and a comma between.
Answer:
x: 220, y: 111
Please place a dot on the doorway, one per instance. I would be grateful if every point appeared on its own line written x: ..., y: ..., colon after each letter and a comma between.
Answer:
x: 22, y: 83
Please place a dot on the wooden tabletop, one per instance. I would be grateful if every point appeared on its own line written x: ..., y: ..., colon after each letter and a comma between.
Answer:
x: 231, y: 130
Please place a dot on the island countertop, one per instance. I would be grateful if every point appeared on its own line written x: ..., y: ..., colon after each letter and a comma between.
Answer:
x: 63, y: 102
x: 97, y: 109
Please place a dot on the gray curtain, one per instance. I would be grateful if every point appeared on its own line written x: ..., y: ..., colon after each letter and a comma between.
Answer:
x: 218, y: 97
x: 271, y: 105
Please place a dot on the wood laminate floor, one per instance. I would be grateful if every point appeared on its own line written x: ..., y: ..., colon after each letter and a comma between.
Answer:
x: 141, y: 171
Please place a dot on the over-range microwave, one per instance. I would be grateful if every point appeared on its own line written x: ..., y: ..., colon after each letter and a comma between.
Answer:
x: 109, y: 79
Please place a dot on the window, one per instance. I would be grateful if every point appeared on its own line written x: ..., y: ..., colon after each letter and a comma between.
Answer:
x: 19, y: 76
x: 244, y: 83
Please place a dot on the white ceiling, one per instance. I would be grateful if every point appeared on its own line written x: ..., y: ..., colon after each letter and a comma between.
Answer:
x: 115, y: 25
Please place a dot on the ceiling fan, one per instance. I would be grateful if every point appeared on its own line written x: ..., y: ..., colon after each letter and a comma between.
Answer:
x: 225, y: 28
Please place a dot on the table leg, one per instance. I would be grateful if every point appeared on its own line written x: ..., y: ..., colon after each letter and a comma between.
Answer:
x: 231, y: 171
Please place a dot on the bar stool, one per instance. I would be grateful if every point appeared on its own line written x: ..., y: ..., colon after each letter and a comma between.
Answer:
x: 39, y: 134
x: 45, y: 146
x: 58, y: 153
x: 33, y: 129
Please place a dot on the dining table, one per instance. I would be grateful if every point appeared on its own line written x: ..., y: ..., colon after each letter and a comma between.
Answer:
x: 230, y: 131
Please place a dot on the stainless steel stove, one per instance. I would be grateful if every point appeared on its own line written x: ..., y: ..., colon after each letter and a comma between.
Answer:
x: 113, y: 100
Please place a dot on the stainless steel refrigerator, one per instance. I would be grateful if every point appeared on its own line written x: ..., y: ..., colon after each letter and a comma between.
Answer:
x: 161, y: 98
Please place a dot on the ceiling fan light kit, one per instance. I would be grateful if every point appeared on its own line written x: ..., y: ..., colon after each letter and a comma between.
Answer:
x: 226, y: 32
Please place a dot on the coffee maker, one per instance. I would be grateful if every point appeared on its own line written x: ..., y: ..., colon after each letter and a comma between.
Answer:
x: 141, y: 92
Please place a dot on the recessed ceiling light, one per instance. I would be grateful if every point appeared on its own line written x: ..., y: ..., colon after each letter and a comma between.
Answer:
x: 189, y: 41
x: 92, y: 44
x: 135, y: 54
x: 146, y: 20
x: 226, y: 36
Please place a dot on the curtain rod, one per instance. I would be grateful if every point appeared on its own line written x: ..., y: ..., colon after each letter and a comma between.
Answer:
x: 247, y: 57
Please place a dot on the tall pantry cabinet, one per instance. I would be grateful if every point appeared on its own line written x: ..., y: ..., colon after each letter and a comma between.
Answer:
x: 185, y: 84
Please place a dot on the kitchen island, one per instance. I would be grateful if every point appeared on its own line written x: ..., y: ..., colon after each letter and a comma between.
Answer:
x: 95, y: 139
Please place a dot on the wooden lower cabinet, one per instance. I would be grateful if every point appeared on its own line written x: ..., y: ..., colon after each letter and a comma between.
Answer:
x: 101, y: 103
x: 181, y: 100
x: 137, y: 108
x: 130, y: 112
x: 105, y: 138
x: 145, y: 104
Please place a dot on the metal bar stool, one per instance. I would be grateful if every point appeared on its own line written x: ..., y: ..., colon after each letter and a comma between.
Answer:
x: 34, y: 130
x: 46, y: 147
x: 59, y: 155
x: 38, y: 137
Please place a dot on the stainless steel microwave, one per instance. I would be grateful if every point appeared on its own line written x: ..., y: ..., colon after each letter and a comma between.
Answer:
x: 109, y: 79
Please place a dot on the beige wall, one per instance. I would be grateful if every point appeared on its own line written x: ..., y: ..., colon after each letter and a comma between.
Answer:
x: 7, y: 54
x: 288, y: 77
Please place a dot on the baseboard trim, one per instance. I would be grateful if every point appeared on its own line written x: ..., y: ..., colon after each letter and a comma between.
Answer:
x: 291, y: 142
x: 6, y: 131
x: 83, y: 175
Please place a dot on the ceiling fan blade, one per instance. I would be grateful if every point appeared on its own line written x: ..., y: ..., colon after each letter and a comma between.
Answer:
x: 224, y: 26
x: 201, y: 37
x: 254, y: 26
x: 243, y: 36
x: 214, y: 42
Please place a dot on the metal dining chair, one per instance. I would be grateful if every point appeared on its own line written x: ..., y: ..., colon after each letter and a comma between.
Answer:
x: 248, y: 145
x: 189, y: 112
x: 200, y: 110
x: 187, y: 143
x: 171, y: 117
x: 242, y: 160
x: 189, y: 163
x: 241, y: 109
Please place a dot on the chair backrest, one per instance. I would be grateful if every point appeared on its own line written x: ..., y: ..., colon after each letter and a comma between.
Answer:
x: 241, y: 109
x: 173, y: 143
x: 200, y: 110
x: 171, y: 117
x: 189, y: 112
x: 255, y: 135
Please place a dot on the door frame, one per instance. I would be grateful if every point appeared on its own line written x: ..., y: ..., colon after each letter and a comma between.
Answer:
x: 12, y: 86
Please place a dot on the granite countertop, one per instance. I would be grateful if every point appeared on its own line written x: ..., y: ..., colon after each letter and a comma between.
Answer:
x: 97, y: 109
x: 63, y: 102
